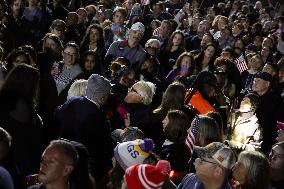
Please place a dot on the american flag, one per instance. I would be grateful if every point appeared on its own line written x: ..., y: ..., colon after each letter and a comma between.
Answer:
x: 192, y: 133
x: 241, y: 63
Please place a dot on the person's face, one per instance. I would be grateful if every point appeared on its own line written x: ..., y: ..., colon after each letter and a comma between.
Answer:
x: 135, y: 35
x: 211, y: 11
x: 205, y: 40
x: 16, y: 7
x: 258, y: 5
x: 221, y: 24
x: 51, y: 45
x: 129, y: 4
x: 202, y: 28
x: 281, y: 76
x: 94, y: 35
x: 185, y: 62
x: 236, y: 30
x: 58, y: 33
x: 157, y: 10
x: 129, y: 80
x: 268, y: 68
x: 259, y: 85
x: 245, y: 105
x: 265, y: 51
x: 118, y: 18
x: 165, y: 122
x: 239, y: 172
x: 89, y: 62
x: 257, y: 41
x: 133, y: 95
x: 82, y: 16
x: 69, y: 55
x: 280, y: 137
x: 204, y: 167
x: 164, y: 30
x: 255, y: 63
x: 21, y: 59
x: 209, y: 52
x: 54, y: 166
x: 239, y: 43
x: 276, y: 158
x: 177, y: 39
x: 71, y: 19
x: 226, y: 55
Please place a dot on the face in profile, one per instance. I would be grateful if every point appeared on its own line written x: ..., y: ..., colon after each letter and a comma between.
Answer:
x: 276, y: 158
x: 245, y: 105
x: 54, y: 166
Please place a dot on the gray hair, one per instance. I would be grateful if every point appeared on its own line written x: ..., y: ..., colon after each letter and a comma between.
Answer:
x: 147, y: 91
x: 257, y: 169
x: 97, y: 87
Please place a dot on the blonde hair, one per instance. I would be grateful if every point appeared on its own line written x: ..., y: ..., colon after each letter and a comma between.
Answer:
x: 78, y: 88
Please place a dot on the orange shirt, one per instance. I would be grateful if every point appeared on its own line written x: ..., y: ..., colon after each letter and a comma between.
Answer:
x: 200, y: 103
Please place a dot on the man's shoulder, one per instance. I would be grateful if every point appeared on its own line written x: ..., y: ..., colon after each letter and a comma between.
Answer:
x: 189, y: 181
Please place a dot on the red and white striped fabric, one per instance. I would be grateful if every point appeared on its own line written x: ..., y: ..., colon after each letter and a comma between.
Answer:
x: 145, y: 176
x: 192, y: 134
x: 241, y: 63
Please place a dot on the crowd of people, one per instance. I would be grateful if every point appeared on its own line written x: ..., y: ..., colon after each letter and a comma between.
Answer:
x: 141, y: 94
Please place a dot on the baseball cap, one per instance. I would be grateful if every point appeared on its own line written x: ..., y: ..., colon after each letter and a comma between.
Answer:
x: 251, y: 47
x: 138, y: 26
x: 218, y: 151
x: 265, y: 76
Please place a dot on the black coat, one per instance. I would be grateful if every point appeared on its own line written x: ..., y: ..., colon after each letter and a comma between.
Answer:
x: 269, y: 112
x: 83, y: 121
x: 19, y: 119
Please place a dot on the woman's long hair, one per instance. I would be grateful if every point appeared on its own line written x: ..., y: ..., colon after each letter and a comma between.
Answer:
x: 23, y: 81
x: 257, y: 169
x: 86, y: 38
x: 199, y: 58
x: 170, y: 41
x: 173, y: 98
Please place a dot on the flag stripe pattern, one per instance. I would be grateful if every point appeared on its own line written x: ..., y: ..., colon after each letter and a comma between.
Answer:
x: 241, y: 63
x: 192, y: 133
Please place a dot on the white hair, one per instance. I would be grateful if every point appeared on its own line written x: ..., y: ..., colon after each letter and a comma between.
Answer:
x: 147, y: 91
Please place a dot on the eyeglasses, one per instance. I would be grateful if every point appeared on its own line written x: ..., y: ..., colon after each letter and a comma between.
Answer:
x: 201, y: 160
x: 70, y: 54
x: 135, y: 91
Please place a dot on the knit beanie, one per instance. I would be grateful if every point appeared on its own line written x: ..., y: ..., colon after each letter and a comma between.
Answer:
x: 97, y: 87
x: 141, y: 176
x: 133, y: 152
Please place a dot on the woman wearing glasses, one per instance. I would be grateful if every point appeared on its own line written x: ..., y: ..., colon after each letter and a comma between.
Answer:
x: 66, y: 71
